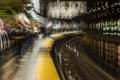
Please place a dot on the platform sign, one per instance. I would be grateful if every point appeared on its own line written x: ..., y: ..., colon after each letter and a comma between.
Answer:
x: 119, y: 55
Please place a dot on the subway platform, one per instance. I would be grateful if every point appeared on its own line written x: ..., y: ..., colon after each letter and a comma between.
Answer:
x: 32, y: 59
x: 38, y: 64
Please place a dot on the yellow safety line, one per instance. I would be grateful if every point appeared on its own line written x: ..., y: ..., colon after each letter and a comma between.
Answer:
x: 46, y: 69
x: 45, y: 66
x: 48, y: 43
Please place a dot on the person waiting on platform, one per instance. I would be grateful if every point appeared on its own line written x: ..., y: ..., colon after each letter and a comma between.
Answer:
x: 43, y: 31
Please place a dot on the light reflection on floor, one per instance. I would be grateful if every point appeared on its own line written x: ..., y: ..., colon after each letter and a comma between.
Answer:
x: 27, y: 70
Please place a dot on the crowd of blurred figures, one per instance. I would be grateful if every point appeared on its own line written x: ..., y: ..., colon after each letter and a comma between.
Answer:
x: 17, y: 26
x: 21, y: 25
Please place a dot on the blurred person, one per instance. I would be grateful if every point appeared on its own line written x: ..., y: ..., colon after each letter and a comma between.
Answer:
x: 17, y: 27
x: 32, y: 25
x: 1, y: 24
x: 49, y: 30
x: 43, y: 31
x: 5, y: 25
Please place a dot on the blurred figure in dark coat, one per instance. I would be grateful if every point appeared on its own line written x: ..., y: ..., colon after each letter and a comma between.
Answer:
x: 43, y: 31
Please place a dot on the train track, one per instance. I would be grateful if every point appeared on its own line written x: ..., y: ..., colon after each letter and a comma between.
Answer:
x: 74, y: 64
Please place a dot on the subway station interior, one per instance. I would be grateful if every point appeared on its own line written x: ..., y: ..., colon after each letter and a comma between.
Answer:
x: 59, y: 39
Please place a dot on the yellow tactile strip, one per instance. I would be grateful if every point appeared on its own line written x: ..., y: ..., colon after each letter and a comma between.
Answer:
x: 48, y: 43
x: 45, y: 68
